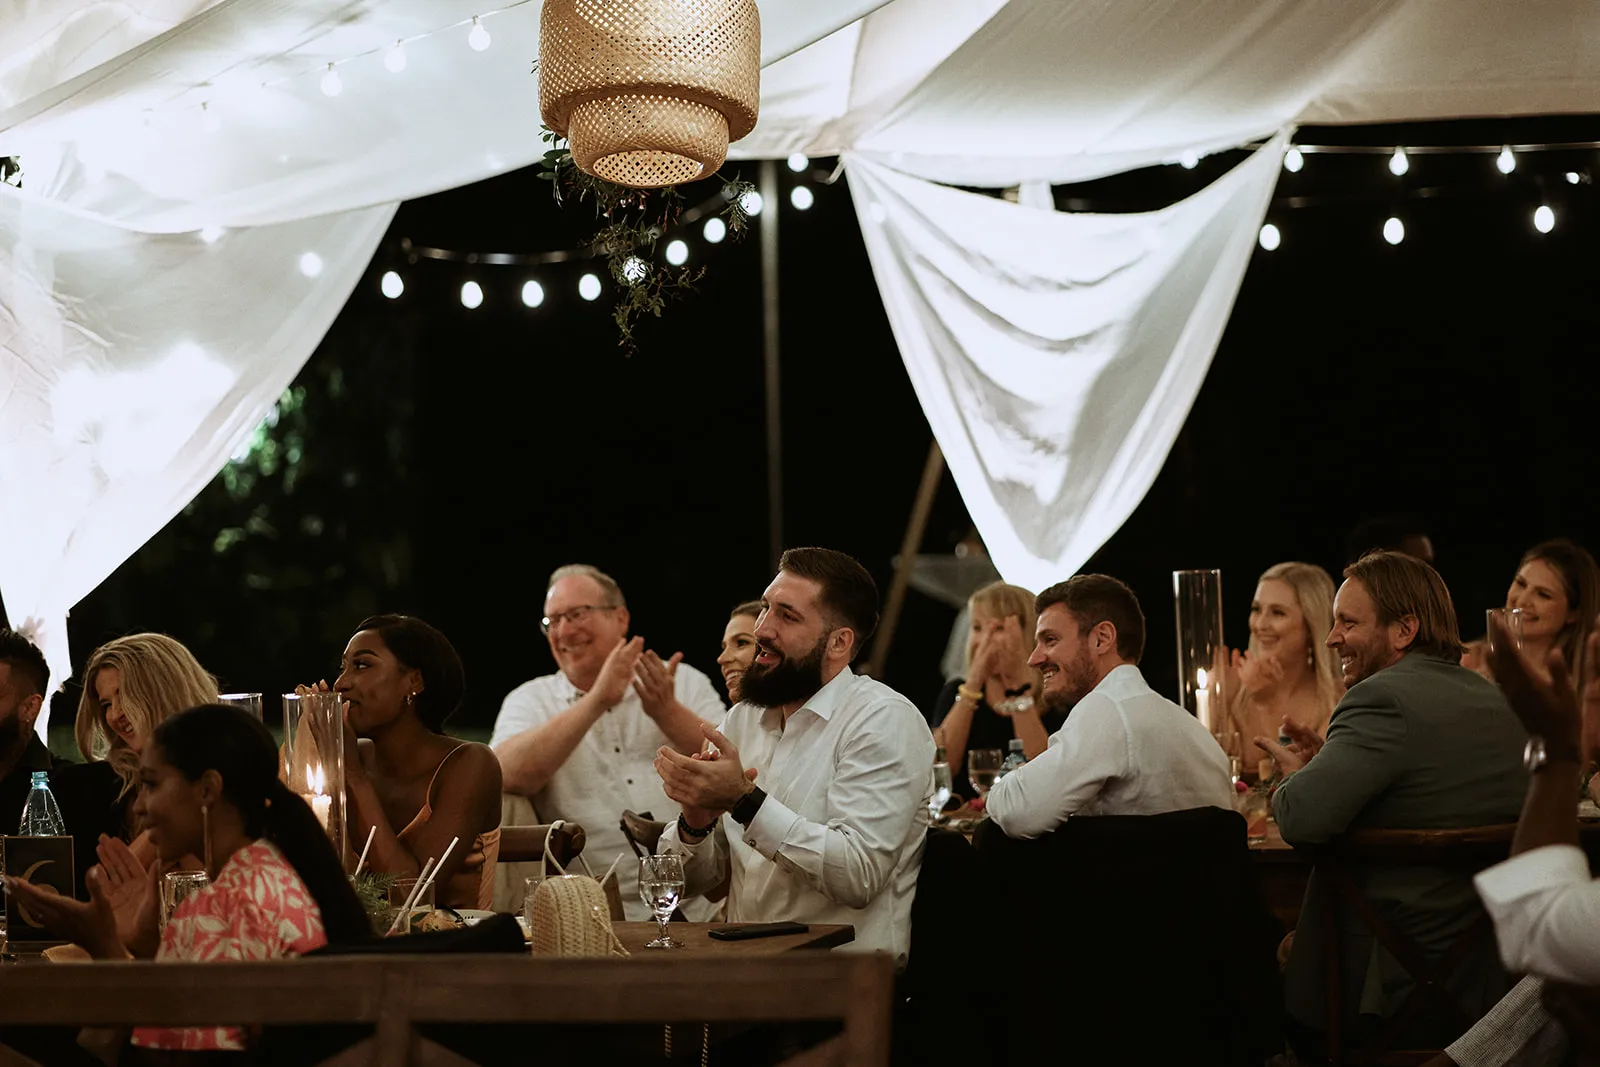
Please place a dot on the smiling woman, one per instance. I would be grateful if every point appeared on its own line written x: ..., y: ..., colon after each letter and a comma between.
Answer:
x: 1557, y: 589
x: 413, y: 787
x: 131, y: 686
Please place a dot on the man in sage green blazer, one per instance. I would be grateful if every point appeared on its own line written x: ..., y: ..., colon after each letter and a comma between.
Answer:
x: 1419, y: 743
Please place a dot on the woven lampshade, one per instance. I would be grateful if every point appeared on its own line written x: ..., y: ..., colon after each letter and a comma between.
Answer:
x: 650, y: 92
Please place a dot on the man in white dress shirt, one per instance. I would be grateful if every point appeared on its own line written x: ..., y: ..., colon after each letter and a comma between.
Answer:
x: 1124, y: 749
x: 815, y: 797
x: 580, y: 742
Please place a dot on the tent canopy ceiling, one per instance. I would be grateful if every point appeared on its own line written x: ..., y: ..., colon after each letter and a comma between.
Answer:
x: 105, y: 105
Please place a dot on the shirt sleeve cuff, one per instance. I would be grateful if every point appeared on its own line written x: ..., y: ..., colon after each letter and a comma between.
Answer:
x: 1531, y: 872
x: 769, y: 829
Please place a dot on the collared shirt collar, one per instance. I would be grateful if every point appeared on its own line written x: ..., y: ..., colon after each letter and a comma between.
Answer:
x: 822, y: 703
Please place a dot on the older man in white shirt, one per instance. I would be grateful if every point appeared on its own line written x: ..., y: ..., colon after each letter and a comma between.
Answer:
x: 581, y: 742
x: 814, y: 799
x: 1124, y: 749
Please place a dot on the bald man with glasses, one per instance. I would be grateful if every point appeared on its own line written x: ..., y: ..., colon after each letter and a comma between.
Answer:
x: 581, y: 743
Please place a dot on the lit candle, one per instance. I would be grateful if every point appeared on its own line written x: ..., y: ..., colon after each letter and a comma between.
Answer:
x: 321, y: 803
x: 1202, y: 699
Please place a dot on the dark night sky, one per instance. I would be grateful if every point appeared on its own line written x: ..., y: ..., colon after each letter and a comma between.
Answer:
x: 1450, y: 377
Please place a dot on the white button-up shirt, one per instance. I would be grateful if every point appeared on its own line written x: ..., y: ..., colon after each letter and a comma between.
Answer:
x: 1124, y: 750
x: 1546, y: 912
x: 839, y: 837
x: 611, y: 770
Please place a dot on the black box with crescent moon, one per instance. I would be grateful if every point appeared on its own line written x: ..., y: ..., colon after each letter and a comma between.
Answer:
x: 44, y: 861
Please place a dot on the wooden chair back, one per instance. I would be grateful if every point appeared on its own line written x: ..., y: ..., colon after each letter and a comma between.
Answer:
x: 1470, y: 850
x: 525, y: 844
x: 396, y: 994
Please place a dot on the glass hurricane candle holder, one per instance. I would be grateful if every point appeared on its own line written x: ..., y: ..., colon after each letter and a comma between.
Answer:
x: 312, y: 759
x: 1197, y: 597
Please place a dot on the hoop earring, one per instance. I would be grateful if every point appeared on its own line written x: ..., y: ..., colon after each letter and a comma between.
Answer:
x: 205, y: 829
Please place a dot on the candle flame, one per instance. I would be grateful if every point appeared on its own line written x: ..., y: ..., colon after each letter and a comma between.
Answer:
x: 1200, y: 677
x: 316, y: 780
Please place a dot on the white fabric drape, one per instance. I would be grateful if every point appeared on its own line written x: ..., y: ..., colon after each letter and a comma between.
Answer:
x: 131, y: 366
x: 1056, y: 355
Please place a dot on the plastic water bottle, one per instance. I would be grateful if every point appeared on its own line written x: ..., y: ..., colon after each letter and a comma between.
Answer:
x: 1014, y: 758
x: 40, y: 815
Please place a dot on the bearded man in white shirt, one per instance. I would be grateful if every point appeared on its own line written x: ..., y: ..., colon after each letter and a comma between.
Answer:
x: 580, y: 743
x: 1124, y: 749
x: 814, y: 800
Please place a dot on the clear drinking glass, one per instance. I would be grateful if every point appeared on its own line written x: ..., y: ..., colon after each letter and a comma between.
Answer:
x: 250, y: 702
x: 400, y: 891
x: 942, y: 789
x: 1512, y: 617
x: 660, y: 886
x: 983, y: 765
x: 178, y: 886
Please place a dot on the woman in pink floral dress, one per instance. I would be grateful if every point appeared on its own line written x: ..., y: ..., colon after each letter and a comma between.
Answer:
x: 209, y: 787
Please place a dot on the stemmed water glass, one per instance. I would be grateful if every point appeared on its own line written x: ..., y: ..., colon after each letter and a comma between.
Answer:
x: 983, y: 767
x: 661, y: 886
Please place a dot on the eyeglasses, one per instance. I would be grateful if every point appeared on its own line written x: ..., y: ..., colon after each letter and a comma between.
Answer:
x: 548, y: 623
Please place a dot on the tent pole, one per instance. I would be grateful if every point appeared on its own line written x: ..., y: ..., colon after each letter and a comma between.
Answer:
x: 770, y: 353
x: 932, y: 471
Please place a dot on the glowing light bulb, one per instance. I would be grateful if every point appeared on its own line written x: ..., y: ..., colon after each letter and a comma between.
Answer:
x: 391, y: 285
x: 332, y: 84
x: 801, y: 197
x: 1398, y: 163
x: 1573, y: 177
x: 532, y: 293
x: 210, y: 121
x: 752, y: 203
x: 1505, y: 161
x: 1270, y: 238
x: 471, y: 295
x: 310, y: 264
x: 634, y: 270
x: 395, y: 58
x: 1394, y: 231
x: 1189, y: 160
x: 798, y: 162
x: 677, y: 253
x: 1544, y: 219
x: 1293, y: 160
x: 589, y: 287
x: 715, y: 230
x: 211, y: 234
x: 479, y: 38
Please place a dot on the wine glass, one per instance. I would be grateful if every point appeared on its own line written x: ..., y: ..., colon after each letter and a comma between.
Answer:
x: 983, y: 767
x: 942, y: 789
x: 660, y: 887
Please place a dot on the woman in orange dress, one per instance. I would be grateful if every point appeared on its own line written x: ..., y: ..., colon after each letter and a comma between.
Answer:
x: 409, y: 784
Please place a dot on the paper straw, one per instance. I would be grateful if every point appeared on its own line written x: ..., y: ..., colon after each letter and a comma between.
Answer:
x: 440, y: 864
x: 363, y: 860
x: 603, y: 877
x: 416, y: 891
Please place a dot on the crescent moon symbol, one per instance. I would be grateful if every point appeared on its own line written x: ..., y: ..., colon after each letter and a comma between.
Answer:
x: 27, y: 876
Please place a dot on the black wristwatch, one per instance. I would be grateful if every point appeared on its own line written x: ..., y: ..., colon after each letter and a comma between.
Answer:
x: 745, y: 808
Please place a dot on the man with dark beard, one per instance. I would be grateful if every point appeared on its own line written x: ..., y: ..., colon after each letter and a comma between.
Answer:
x: 23, y: 679
x: 1124, y: 749
x: 834, y: 831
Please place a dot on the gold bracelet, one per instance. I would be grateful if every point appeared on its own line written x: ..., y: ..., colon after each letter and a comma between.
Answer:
x: 970, y: 693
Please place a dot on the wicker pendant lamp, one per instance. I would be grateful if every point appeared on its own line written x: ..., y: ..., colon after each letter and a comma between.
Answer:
x: 649, y: 92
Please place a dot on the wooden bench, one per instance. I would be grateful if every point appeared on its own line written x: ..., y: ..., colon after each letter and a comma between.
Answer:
x: 395, y: 994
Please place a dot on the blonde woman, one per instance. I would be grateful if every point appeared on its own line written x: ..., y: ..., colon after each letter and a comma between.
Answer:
x: 997, y: 700
x: 130, y: 686
x: 1288, y: 672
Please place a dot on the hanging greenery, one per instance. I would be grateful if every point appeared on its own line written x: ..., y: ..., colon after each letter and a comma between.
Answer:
x: 631, y: 222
